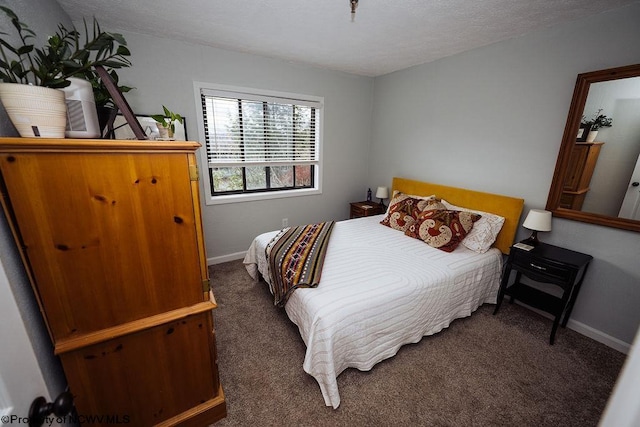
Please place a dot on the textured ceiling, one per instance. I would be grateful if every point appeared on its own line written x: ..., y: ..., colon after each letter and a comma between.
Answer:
x: 384, y: 37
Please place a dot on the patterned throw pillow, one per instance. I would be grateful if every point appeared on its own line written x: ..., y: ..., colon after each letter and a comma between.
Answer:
x: 441, y: 228
x: 404, y: 209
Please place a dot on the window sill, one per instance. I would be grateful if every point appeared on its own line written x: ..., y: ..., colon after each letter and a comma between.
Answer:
x: 240, y: 198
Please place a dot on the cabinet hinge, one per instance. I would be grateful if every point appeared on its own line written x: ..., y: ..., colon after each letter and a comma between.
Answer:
x: 193, y: 172
x: 206, y: 285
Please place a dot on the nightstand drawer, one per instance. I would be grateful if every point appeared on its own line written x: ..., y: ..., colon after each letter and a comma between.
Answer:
x: 541, y: 269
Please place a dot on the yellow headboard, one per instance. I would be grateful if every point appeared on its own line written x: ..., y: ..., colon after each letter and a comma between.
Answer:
x: 508, y: 207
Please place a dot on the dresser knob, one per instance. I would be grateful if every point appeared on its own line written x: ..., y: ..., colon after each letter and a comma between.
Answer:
x: 40, y: 409
x: 635, y: 184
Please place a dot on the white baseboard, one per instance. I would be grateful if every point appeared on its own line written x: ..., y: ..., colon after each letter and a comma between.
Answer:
x: 226, y: 258
x: 587, y: 331
x: 599, y: 336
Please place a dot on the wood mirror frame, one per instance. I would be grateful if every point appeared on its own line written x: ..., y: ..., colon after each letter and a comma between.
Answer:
x: 576, y: 110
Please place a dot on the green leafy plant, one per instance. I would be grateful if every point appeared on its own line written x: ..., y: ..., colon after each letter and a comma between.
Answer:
x: 168, y: 119
x: 65, y: 54
x: 598, y: 121
x: 100, y: 92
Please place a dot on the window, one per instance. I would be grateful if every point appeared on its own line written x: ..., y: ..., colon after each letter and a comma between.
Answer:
x: 260, y: 144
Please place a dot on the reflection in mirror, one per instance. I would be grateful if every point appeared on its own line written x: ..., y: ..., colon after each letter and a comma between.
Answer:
x: 620, y: 148
x: 597, y: 176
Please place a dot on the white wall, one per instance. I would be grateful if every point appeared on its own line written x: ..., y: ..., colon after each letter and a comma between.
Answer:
x: 492, y: 119
x: 623, y: 407
x: 163, y: 73
x: 20, y: 377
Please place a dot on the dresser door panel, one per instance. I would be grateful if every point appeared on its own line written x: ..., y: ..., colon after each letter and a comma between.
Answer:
x: 95, y: 211
x: 147, y: 377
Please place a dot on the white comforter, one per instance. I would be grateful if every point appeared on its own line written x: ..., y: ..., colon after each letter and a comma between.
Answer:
x: 379, y: 290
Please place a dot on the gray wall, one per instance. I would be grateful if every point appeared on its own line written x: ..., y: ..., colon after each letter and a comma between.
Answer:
x: 163, y: 73
x: 42, y: 16
x: 492, y: 119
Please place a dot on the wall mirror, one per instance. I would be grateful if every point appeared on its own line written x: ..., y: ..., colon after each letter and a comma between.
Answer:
x: 597, y: 174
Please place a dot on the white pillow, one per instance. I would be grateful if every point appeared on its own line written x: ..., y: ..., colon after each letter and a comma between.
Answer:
x: 484, y: 231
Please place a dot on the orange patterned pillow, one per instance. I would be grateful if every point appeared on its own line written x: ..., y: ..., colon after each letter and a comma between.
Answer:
x: 441, y: 228
x: 404, y: 209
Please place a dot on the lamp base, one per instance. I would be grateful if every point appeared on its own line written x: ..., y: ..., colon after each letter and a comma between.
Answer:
x: 532, y: 240
x: 382, y: 204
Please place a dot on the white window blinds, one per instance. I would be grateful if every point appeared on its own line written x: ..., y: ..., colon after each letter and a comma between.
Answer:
x: 243, y: 129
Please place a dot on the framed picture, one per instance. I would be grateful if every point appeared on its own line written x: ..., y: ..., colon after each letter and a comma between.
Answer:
x: 120, y: 102
x: 583, y: 131
x: 122, y: 130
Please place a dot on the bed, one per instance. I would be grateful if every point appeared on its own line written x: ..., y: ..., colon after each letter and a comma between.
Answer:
x: 381, y: 289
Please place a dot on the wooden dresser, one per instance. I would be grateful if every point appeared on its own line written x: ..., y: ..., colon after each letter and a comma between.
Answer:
x: 582, y: 162
x: 111, y: 236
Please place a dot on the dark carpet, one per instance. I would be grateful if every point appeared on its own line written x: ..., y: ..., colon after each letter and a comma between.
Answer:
x: 483, y: 370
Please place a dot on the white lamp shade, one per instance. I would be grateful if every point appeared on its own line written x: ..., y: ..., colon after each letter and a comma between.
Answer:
x: 382, y: 193
x: 538, y: 220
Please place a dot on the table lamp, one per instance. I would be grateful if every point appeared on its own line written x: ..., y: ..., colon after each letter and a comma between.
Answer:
x: 537, y: 220
x: 382, y: 193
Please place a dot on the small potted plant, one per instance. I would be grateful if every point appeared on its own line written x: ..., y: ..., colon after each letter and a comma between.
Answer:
x: 167, y: 123
x: 598, y: 121
x: 31, y: 73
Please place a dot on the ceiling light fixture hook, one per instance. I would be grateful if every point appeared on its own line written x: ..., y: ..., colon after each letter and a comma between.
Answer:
x: 354, y: 4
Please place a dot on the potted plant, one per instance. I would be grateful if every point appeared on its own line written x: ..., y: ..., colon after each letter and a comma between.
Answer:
x: 36, y: 74
x: 167, y: 122
x: 598, y: 121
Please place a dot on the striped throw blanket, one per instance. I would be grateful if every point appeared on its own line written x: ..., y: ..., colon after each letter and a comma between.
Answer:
x: 295, y: 256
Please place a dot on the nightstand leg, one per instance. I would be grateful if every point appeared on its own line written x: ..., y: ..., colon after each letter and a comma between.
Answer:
x: 503, y: 287
x: 573, y: 296
x: 516, y: 282
x: 556, y: 322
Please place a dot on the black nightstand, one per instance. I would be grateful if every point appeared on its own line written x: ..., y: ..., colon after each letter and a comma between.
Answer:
x: 545, y: 264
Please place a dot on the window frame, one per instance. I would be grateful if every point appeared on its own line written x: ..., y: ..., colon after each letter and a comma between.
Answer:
x: 205, y: 174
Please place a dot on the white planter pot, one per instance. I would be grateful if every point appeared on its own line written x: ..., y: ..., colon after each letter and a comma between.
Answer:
x: 164, y: 133
x: 35, y: 110
x: 591, y: 136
